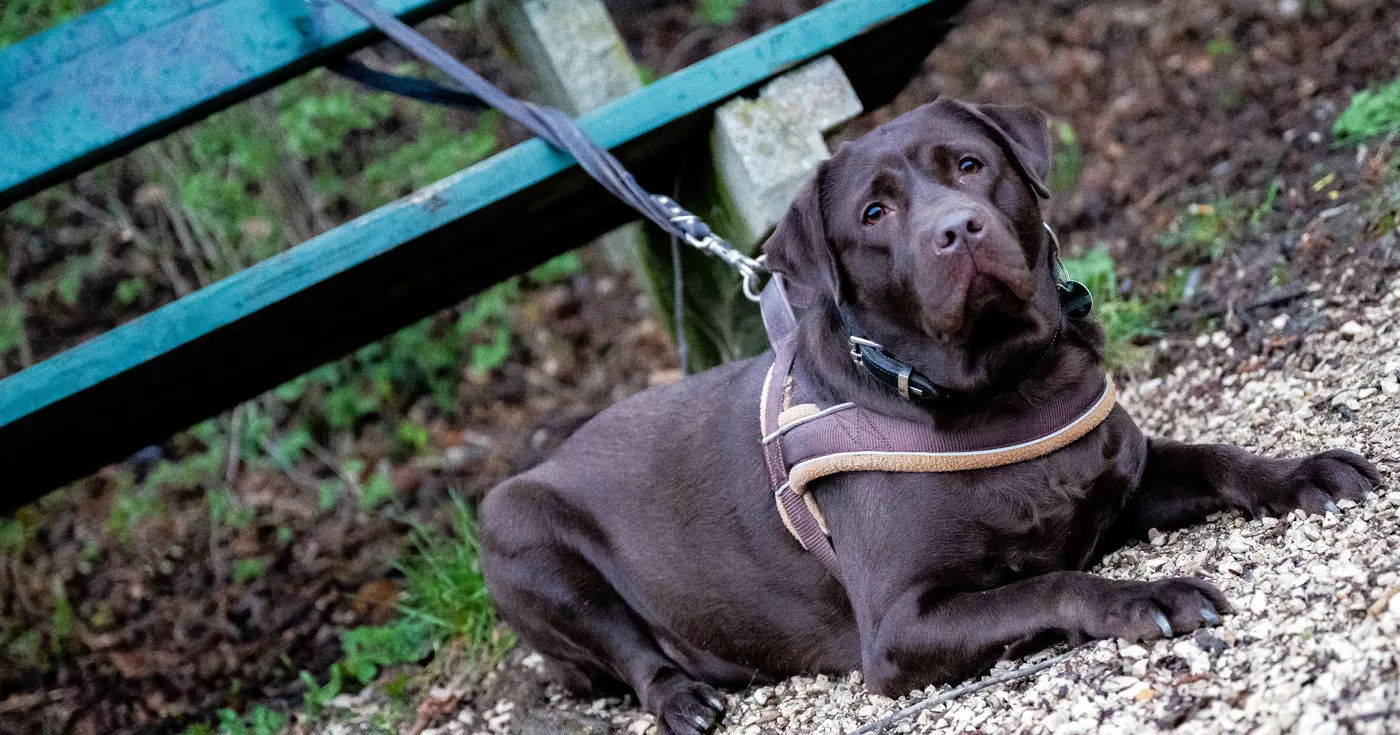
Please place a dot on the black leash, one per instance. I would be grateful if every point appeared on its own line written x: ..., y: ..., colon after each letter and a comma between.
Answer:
x: 549, y: 124
x: 423, y: 90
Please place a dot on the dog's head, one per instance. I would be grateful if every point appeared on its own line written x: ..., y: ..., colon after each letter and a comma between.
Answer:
x: 929, y: 227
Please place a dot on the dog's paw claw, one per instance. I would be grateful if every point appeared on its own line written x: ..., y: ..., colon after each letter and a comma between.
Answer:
x: 1166, y: 608
x: 1314, y: 484
x: 688, y: 707
x: 1164, y: 625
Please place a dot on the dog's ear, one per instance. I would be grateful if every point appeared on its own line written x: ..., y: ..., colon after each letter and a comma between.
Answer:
x: 1021, y: 131
x: 799, y: 250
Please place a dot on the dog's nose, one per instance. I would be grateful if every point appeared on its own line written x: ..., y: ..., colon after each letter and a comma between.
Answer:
x: 959, y: 230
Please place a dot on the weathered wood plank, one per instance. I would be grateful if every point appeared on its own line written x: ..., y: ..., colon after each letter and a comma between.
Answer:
x: 132, y: 71
x: 136, y: 384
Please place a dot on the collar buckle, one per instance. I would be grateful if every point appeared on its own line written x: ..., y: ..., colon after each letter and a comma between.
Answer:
x: 859, y: 342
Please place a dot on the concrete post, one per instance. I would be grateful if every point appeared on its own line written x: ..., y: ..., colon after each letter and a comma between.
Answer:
x: 766, y: 148
x: 762, y: 151
x: 581, y: 63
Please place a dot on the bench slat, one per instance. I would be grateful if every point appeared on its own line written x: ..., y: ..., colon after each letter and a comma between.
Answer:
x: 190, y: 359
x: 130, y: 72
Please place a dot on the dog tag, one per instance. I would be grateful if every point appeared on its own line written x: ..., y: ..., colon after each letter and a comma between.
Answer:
x: 1075, y: 299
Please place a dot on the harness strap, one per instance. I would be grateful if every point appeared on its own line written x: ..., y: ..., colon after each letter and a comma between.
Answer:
x: 798, y: 511
x: 857, y: 440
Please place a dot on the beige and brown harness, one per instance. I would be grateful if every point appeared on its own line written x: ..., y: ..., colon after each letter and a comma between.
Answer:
x: 803, y: 441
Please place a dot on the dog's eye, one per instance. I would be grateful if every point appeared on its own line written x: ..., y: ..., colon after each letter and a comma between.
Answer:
x: 970, y: 165
x: 873, y: 213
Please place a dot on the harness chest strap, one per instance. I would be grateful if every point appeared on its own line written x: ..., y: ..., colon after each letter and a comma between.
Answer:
x: 847, y: 438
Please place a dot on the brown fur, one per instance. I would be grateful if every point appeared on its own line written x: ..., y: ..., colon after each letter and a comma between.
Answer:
x: 647, y: 552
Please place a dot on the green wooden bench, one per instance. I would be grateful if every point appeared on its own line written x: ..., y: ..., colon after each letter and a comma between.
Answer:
x: 129, y: 73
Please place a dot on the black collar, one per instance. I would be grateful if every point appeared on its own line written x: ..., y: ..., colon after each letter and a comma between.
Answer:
x: 1075, y: 302
x: 911, y: 384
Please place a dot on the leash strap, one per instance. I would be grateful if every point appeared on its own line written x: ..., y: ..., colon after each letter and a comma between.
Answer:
x: 548, y: 123
x: 423, y: 90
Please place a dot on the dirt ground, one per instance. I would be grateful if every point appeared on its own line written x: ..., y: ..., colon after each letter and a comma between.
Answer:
x: 1212, y: 103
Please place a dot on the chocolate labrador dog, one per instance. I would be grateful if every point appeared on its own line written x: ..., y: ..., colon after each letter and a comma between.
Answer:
x: 647, y: 551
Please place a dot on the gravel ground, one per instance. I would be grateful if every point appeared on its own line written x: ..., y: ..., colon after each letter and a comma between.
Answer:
x: 1313, y: 647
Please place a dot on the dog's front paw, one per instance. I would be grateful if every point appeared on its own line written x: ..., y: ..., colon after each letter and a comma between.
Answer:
x: 1140, y: 611
x: 1314, y: 483
x: 686, y: 707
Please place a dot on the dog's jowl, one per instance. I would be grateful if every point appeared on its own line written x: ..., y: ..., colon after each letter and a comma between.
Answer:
x: 925, y: 325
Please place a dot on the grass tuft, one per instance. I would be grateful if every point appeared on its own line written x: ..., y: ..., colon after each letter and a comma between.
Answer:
x: 1203, y: 232
x: 1371, y: 112
x: 718, y: 12
x: 1125, y: 320
x: 444, y: 585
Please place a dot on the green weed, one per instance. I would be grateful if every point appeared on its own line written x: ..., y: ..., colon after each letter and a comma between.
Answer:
x: 62, y: 623
x: 378, y: 491
x: 445, y: 598
x: 327, y: 493
x: 1068, y: 162
x: 249, y: 570
x: 20, y: 19
x: 718, y: 12
x: 556, y: 269
x: 18, y: 531
x: 436, y: 152
x: 1266, y: 204
x: 317, y: 696
x: 11, y: 326
x: 1125, y: 320
x: 1371, y: 112
x: 225, y: 510
x: 1203, y: 232
x: 130, y: 507
x: 1220, y: 47
x: 413, y: 436
x: 443, y: 581
x: 27, y: 649
x: 367, y: 649
x: 260, y: 721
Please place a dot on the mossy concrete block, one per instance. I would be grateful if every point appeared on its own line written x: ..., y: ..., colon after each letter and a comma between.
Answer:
x: 766, y: 148
x: 574, y: 51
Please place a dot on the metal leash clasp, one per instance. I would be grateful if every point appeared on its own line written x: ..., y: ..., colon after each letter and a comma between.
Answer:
x: 696, y: 233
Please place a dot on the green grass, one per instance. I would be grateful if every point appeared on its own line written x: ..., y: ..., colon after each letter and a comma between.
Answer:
x: 444, y: 587
x: 1125, y: 320
x: 368, y: 648
x: 1370, y: 113
x: 718, y: 12
x: 249, y: 570
x: 1220, y: 47
x: 1068, y: 162
x: 259, y: 721
x: 20, y: 19
x: 1203, y: 232
x: 444, y: 602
